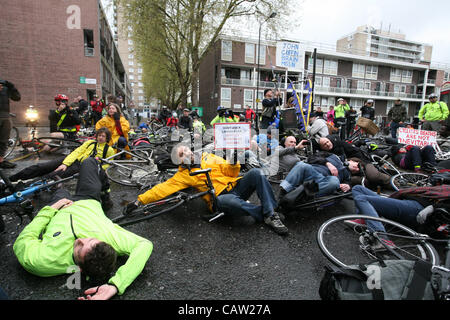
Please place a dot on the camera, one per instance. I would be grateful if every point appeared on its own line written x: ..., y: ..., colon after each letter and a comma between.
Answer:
x: 3, y: 82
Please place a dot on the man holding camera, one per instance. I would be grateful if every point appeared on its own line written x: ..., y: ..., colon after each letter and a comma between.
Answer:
x: 270, y: 103
x: 7, y: 91
x: 224, y: 115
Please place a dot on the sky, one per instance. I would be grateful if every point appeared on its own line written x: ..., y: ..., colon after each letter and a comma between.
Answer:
x: 325, y: 21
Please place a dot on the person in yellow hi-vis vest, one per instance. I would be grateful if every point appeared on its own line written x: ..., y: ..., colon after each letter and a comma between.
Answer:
x: 433, y: 114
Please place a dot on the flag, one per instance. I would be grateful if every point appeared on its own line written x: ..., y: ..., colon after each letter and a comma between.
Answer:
x: 298, y: 108
x: 308, y: 100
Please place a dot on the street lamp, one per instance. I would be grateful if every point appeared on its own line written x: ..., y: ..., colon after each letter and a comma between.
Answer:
x: 272, y: 15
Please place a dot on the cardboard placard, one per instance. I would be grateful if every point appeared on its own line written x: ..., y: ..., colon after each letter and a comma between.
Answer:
x: 415, y: 137
x: 232, y: 136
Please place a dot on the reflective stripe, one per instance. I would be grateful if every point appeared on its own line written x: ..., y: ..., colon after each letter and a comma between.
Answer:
x: 61, y: 121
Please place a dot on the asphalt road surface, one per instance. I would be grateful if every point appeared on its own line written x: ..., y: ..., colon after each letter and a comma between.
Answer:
x: 230, y: 258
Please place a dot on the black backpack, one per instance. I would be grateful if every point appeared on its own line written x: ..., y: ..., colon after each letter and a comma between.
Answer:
x: 397, y: 280
x: 164, y: 162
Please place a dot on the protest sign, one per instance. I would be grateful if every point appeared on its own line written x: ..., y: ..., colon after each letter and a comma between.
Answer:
x: 290, y: 55
x: 232, y: 136
x: 415, y: 137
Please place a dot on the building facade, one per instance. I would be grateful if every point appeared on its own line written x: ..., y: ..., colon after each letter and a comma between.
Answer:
x: 228, y: 77
x: 51, y: 47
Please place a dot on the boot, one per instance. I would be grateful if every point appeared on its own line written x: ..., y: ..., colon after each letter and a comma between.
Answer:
x: 107, y: 203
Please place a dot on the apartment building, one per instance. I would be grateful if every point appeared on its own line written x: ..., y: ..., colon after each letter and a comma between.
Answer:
x: 228, y: 77
x: 123, y: 37
x: 50, y: 47
x: 372, y: 42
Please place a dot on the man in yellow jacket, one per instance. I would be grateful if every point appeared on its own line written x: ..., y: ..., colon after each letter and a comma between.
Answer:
x: 231, y: 190
x: 433, y: 114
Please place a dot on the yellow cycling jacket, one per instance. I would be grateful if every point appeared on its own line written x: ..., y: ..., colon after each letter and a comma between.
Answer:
x: 223, y: 176
x: 85, y: 151
x: 109, y: 122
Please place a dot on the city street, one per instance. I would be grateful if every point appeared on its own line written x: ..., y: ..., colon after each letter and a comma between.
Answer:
x: 193, y: 259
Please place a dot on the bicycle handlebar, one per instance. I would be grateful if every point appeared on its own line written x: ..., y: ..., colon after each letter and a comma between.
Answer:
x: 194, y: 173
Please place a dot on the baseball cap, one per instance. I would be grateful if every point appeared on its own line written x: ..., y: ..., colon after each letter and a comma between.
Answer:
x: 370, y: 101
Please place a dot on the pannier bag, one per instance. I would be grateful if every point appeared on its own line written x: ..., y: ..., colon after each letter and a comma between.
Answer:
x: 396, y: 280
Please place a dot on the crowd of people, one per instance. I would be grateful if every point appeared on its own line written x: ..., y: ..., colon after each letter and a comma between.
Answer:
x: 74, y: 230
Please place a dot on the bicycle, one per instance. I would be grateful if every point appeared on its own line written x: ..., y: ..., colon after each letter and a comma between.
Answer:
x: 348, y: 246
x: 169, y: 204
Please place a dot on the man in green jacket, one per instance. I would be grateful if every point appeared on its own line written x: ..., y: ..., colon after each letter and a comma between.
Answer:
x: 339, y: 116
x: 433, y: 113
x: 75, y: 231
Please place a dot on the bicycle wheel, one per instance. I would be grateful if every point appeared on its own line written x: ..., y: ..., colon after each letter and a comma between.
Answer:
x: 348, y: 245
x: 150, y: 211
x: 153, y: 178
x: 384, y: 166
x: 126, y: 174
x: 409, y: 180
x: 13, y: 141
x: 59, y: 142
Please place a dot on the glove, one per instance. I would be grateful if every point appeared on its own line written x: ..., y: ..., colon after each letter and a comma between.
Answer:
x: 116, y: 116
x: 130, y: 208
x: 424, y: 214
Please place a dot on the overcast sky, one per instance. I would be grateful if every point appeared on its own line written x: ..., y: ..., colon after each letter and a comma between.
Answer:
x: 326, y: 21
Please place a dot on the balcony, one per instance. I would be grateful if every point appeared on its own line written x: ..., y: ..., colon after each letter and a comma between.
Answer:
x: 365, y: 93
x: 251, y: 83
x: 430, y: 82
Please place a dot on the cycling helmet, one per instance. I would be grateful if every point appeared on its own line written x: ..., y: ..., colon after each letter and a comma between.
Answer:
x: 58, y: 97
x: 64, y: 97
x: 433, y: 95
x: 175, y: 115
x: 219, y: 108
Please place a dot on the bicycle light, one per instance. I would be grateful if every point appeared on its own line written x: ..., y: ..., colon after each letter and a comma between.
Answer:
x: 31, y: 114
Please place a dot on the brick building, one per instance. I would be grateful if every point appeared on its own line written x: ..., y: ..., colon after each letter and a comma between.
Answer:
x: 52, y: 46
x: 228, y: 77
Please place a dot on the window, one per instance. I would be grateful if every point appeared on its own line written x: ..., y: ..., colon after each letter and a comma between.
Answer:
x: 260, y: 98
x: 446, y: 76
x: 248, y: 97
x: 407, y: 76
x: 88, y: 42
x: 360, y: 85
x: 225, y: 97
x: 130, y: 42
x: 249, y: 53
x: 330, y: 67
x: 227, y: 50
x: 367, y: 86
x: 318, y: 82
x: 246, y: 75
x: 131, y: 70
x: 319, y: 65
x: 131, y: 77
x: 399, y: 88
x: 326, y: 82
x: 358, y: 70
x: 140, y: 84
x: 139, y: 70
x: 130, y: 56
x: 262, y: 54
x: 131, y: 63
x: 396, y: 75
x: 372, y: 72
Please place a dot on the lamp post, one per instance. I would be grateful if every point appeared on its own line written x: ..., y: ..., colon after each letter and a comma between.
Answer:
x: 272, y: 15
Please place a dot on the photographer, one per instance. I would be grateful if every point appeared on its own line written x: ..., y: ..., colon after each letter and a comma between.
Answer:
x: 64, y: 119
x: 224, y: 115
x: 270, y: 103
x: 7, y: 91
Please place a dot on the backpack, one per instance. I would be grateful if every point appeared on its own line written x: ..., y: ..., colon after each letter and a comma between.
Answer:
x: 441, y: 177
x: 164, y: 162
x: 396, y: 280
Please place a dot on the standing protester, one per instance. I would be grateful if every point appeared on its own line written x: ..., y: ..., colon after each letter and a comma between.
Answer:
x: 351, y: 119
x: 185, y: 121
x: 7, y: 91
x: 222, y: 116
x: 250, y: 115
x: 433, y: 114
x: 270, y: 103
x: 63, y: 120
x: 397, y: 115
x: 164, y: 114
x: 368, y: 111
x: 172, y: 122
x: 330, y: 115
x: 339, y: 116
x: 97, y: 108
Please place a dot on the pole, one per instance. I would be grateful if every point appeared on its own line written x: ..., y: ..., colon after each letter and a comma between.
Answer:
x: 314, y: 77
x: 257, y: 82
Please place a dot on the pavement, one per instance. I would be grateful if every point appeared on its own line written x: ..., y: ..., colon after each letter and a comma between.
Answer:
x: 228, y: 259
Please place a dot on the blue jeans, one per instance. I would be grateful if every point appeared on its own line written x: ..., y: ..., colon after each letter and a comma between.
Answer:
x: 235, y: 201
x: 394, y: 127
x: 122, y: 142
x: 303, y: 172
x: 369, y: 203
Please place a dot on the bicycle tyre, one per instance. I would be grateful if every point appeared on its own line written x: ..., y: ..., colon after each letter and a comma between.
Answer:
x: 384, y: 166
x: 126, y: 174
x: 13, y: 141
x: 346, y: 246
x: 149, y: 211
x: 407, y: 180
x: 59, y: 142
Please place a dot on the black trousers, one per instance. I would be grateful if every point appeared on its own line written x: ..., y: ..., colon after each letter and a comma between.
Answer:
x: 5, y: 128
x: 92, y: 181
x: 45, y: 169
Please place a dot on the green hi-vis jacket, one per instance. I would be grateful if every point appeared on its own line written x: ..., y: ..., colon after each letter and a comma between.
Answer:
x: 434, y: 111
x: 339, y: 110
x: 52, y: 254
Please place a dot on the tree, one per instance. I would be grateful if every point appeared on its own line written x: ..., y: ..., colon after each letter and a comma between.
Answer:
x: 175, y: 35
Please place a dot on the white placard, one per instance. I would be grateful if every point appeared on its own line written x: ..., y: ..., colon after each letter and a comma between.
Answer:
x: 232, y: 136
x: 415, y: 137
x: 290, y: 55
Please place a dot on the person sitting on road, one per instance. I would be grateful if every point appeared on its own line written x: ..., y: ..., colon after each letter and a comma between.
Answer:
x: 117, y: 125
x: 232, y: 190
x: 172, y: 122
x: 413, y: 157
x: 67, y: 166
x: 74, y: 231
x: 411, y: 207
x: 329, y: 173
x: 287, y: 155
x: 318, y: 127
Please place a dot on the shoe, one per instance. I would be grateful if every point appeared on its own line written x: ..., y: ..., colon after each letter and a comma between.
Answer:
x: 275, y: 223
x: 381, y: 244
x: 355, y: 223
x: 5, y: 164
